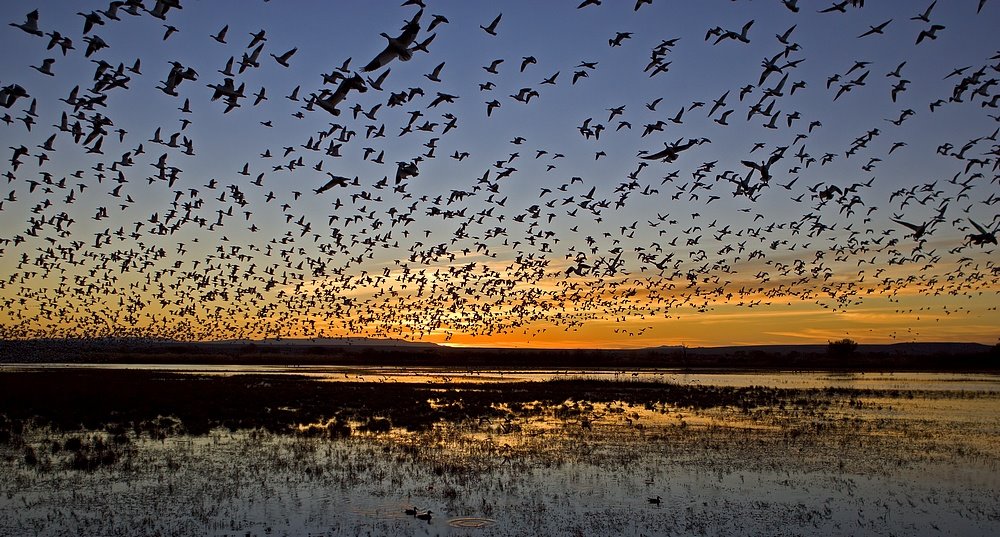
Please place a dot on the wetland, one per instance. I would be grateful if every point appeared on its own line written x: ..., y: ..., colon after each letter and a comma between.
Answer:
x: 154, y: 451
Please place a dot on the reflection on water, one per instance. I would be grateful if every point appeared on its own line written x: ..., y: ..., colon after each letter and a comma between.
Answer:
x: 906, y: 463
x: 914, y: 381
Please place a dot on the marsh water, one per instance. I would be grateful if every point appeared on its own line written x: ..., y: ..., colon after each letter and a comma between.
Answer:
x: 887, y: 380
x: 882, y: 453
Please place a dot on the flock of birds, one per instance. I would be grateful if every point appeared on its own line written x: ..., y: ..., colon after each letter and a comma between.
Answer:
x: 104, y: 233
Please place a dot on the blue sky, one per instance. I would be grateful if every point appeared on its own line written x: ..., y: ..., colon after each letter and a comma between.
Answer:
x: 560, y: 37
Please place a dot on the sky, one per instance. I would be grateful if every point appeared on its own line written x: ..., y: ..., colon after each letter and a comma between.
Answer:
x: 540, y: 223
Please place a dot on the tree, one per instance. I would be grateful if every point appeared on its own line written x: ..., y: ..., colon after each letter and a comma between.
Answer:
x: 843, y: 347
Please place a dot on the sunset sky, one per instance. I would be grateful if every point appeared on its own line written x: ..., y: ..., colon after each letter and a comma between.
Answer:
x: 553, y: 230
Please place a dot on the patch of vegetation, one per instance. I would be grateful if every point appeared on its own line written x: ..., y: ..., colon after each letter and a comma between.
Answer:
x: 126, y: 404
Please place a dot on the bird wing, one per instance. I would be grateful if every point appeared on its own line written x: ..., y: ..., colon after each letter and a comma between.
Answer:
x: 381, y: 60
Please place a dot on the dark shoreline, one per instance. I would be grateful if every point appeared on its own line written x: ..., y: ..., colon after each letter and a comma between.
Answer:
x: 928, y: 357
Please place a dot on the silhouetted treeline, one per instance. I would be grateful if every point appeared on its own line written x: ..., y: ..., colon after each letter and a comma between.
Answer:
x: 901, y: 357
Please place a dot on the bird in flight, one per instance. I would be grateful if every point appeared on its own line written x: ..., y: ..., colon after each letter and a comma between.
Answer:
x: 492, y: 27
x: 397, y: 47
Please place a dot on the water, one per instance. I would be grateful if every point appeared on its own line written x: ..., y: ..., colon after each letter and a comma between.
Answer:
x: 908, y: 381
x: 916, y: 456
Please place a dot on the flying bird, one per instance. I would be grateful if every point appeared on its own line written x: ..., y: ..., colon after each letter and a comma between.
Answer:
x: 30, y: 24
x: 875, y: 29
x: 283, y: 59
x: 492, y: 27
x: 397, y: 47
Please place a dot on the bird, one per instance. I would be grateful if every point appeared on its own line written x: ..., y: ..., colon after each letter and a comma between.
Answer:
x: 30, y: 24
x: 837, y: 6
x: 435, y: 21
x: 283, y: 59
x: 90, y: 20
x: 492, y: 27
x: 257, y: 38
x: 221, y: 35
x: 925, y: 16
x: 490, y: 106
x: 335, y: 181
x: 397, y: 47
x: 671, y: 151
x: 329, y: 102
x: 983, y: 236
x: 619, y: 37
x: 919, y: 230
x: 929, y: 33
x: 46, y: 67
x: 492, y: 67
x: 878, y: 29
x: 435, y: 75
x: 169, y: 30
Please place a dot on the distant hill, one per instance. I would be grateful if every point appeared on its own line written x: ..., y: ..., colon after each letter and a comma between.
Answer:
x: 913, y: 349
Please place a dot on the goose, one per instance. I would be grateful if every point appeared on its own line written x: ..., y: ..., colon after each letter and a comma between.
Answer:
x: 492, y: 28
x: 398, y: 47
x: 926, y: 15
x: 112, y: 12
x: 435, y: 75
x: 377, y: 83
x: 257, y: 38
x: 438, y: 19
x: 670, y: 152
x: 490, y: 106
x: 46, y: 67
x: 655, y: 501
x: 492, y: 69
x: 875, y: 29
x: 251, y: 59
x: 918, y: 230
x: 335, y: 180
x: 283, y: 59
x: 330, y: 102
x: 983, y: 237
x: 94, y: 44
x: 426, y: 515
x: 161, y: 8
x: 170, y: 30
x: 221, y: 36
x: 422, y: 46
x: 89, y: 20
x: 930, y: 32
x: 616, y: 41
